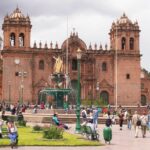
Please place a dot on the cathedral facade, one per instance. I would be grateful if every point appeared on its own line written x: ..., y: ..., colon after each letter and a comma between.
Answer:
x: 112, y: 74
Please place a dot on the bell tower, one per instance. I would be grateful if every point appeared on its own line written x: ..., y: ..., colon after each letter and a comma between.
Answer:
x: 124, y: 41
x: 16, y: 30
x: 124, y: 35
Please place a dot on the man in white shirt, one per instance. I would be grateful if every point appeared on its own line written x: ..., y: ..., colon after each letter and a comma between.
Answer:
x: 135, y: 119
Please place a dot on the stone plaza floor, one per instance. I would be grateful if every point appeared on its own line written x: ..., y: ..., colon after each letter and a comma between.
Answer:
x: 122, y: 140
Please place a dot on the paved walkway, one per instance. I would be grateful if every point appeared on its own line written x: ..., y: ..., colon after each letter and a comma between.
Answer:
x: 122, y: 140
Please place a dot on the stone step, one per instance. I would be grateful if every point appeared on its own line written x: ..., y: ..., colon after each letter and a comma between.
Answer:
x: 63, y: 118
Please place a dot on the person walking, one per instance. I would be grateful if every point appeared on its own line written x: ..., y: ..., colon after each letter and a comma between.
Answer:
x: 108, y: 120
x: 136, y: 123
x: 144, y: 121
x: 121, y: 119
x: 95, y: 117
x: 129, y: 119
x: 148, y: 124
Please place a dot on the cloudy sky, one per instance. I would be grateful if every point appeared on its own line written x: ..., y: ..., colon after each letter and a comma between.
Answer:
x: 92, y: 19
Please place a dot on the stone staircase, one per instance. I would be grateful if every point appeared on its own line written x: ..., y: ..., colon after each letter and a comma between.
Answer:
x: 45, y: 116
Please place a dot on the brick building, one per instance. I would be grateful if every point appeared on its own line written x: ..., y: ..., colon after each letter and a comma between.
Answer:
x: 104, y: 72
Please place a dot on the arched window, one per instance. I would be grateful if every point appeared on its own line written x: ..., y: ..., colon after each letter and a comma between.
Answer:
x: 12, y: 39
x: 131, y: 43
x: 104, y: 66
x: 21, y: 40
x: 74, y: 64
x: 41, y: 64
x: 123, y: 43
x: 42, y: 97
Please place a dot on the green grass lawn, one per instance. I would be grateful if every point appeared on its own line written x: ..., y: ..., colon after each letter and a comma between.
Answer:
x: 29, y: 138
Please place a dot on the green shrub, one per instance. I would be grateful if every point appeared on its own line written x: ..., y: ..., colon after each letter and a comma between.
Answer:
x: 22, y: 123
x: 11, y: 118
x: 37, y: 128
x: 53, y: 133
x: 95, y: 102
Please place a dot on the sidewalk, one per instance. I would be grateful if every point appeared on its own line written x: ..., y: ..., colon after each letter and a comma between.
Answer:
x: 122, y: 140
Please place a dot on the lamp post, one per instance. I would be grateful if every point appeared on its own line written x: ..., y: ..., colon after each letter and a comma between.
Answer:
x: 90, y: 96
x: 9, y: 90
x: 97, y: 89
x: 1, y: 43
x: 78, y: 127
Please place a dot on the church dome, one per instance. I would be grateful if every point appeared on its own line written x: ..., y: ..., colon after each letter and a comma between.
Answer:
x: 74, y: 41
x: 124, y: 20
x: 17, y: 14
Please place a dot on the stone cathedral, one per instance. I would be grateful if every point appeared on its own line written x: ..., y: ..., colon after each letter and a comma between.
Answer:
x: 106, y: 73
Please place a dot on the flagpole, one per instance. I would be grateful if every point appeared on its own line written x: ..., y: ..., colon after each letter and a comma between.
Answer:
x: 67, y: 62
x: 67, y: 50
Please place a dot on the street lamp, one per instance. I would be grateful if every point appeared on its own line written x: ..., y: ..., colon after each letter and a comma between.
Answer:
x: 9, y: 91
x: 1, y: 40
x: 90, y: 96
x: 78, y: 127
x: 97, y: 89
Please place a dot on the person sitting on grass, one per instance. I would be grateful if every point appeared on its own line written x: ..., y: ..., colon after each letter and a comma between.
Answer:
x: 1, y: 124
x: 58, y: 122
x: 12, y: 133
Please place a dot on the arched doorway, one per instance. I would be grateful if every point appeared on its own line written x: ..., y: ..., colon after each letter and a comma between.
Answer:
x: 104, y: 96
x: 143, y: 100
x: 42, y: 98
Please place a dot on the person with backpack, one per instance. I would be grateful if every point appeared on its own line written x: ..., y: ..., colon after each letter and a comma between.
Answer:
x: 144, y: 121
x: 107, y: 133
x: 84, y: 114
x: 136, y: 123
x: 108, y: 120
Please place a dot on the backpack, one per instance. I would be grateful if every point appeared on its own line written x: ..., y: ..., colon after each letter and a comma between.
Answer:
x: 138, y: 123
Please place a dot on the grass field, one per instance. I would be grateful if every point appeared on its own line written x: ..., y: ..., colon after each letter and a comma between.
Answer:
x: 29, y: 138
